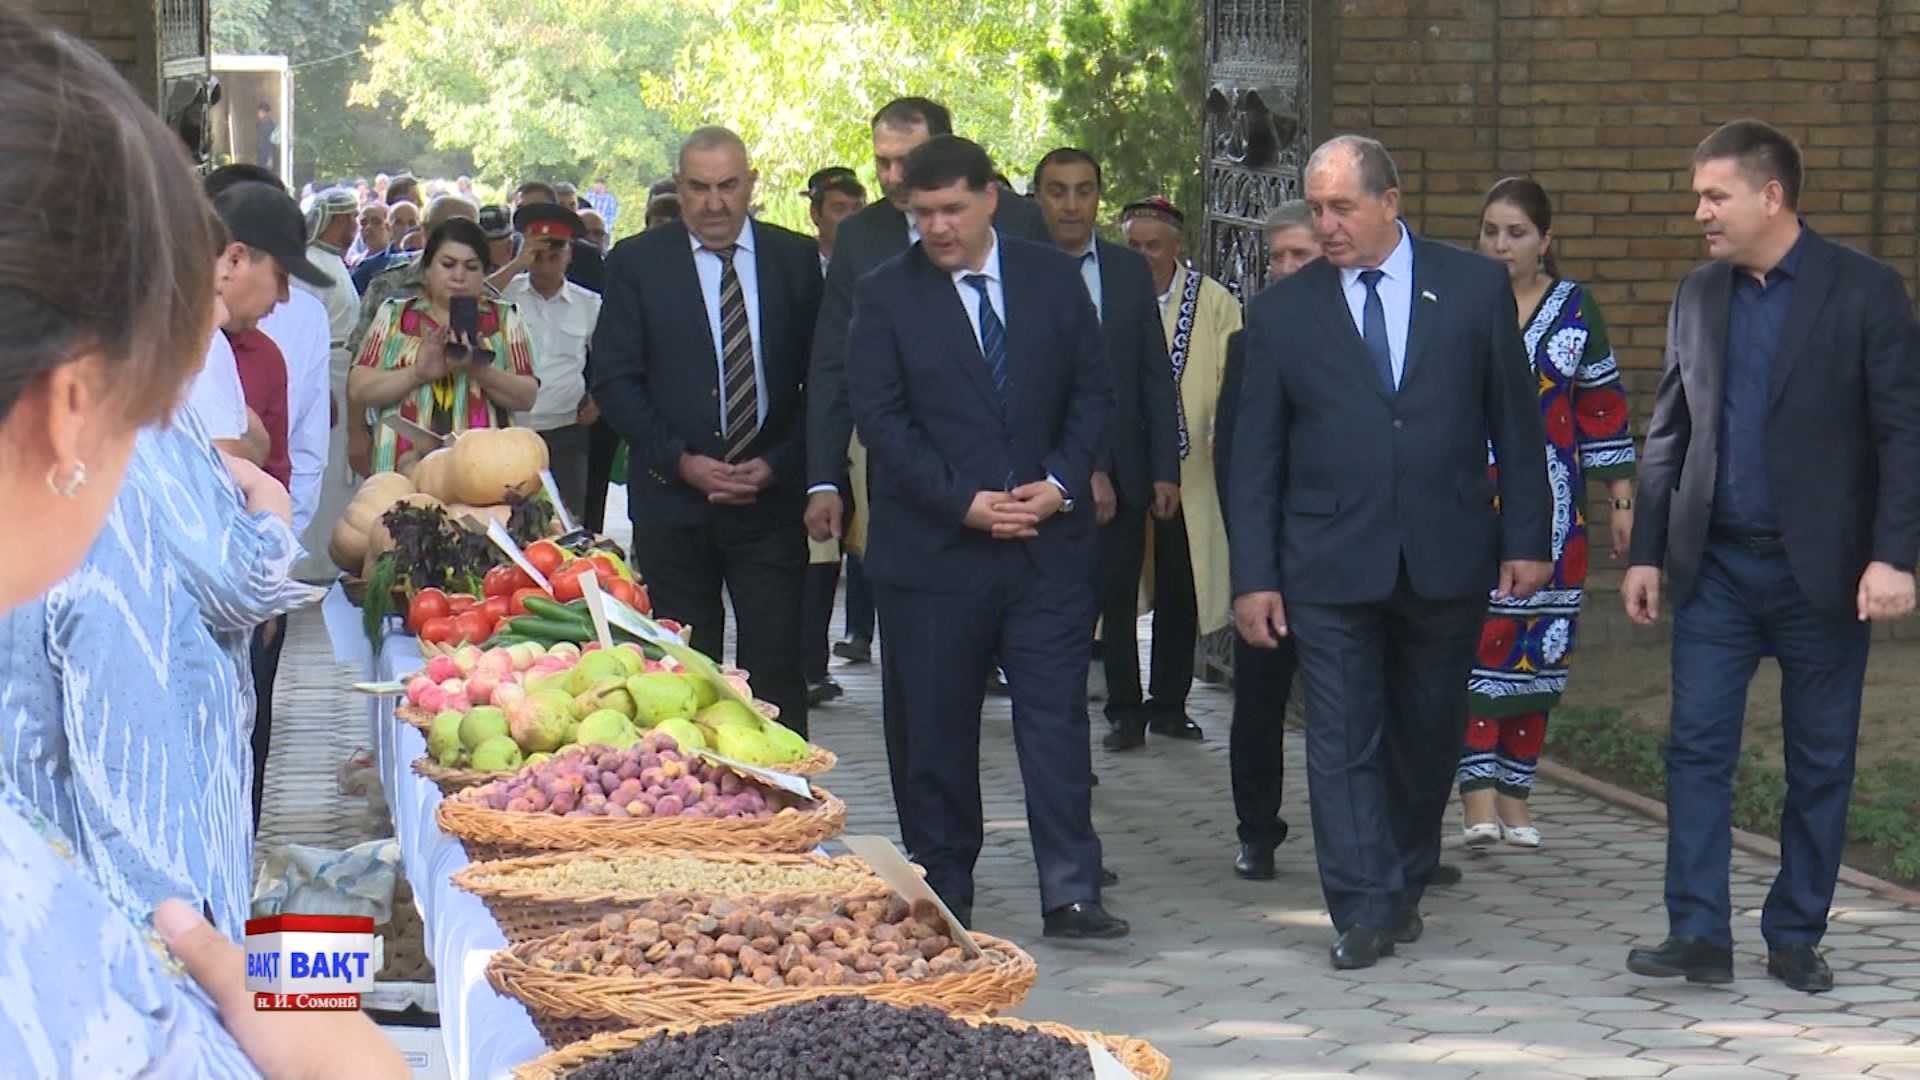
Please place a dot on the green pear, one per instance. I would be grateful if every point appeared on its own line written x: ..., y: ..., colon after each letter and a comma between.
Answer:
x: 497, y: 754
x: 684, y: 733
x: 483, y: 722
x: 662, y: 695
x: 593, y: 667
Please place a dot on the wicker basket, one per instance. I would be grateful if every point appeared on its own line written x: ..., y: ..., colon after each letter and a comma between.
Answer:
x: 570, y: 1007
x: 525, y: 912
x: 503, y: 834
x: 453, y: 780
x: 1137, y: 1055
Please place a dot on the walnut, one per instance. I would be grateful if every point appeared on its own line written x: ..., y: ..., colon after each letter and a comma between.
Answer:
x: 720, y: 967
x: 933, y: 946
x: 731, y: 944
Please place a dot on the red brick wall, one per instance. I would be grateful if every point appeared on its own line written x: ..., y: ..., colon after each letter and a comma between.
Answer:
x: 1603, y: 102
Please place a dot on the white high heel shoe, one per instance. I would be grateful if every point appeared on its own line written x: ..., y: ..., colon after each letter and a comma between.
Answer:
x: 1485, y: 834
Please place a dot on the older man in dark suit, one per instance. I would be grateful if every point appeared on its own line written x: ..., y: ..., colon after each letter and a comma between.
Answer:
x: 700, y: 359
x: 1780, y: 490
x: 980, y: 388
x: 1375, y: 379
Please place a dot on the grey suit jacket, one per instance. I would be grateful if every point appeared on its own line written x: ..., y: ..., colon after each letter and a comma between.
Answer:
x: 1843, y: 430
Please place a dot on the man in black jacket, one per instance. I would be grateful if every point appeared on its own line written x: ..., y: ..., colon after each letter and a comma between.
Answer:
x: 980, y: 387
x: 1375, y: 379
x: 1137, y: 476
x: 1262, y: 678
x: 864, y: 241
x: 700, y: 362
x: 1780, y: 490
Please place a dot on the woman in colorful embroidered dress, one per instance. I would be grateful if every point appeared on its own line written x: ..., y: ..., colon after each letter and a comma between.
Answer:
x: 413, y: 365
x: 1521, y: 667
x: 93, y: 355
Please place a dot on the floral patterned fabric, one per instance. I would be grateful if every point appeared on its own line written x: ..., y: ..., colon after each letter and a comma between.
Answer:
x: 455, y: 403
x: 126, y: 693
x: 1521, y: 666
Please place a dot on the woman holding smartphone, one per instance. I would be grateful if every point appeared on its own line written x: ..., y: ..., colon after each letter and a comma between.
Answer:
x: 450, y: 360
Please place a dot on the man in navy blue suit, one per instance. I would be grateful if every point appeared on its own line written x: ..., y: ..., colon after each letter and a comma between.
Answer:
x: 979, y: 384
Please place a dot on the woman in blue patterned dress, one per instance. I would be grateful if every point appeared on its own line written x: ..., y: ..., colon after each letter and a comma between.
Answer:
x: 1520, y: 669
x: 92, y: 355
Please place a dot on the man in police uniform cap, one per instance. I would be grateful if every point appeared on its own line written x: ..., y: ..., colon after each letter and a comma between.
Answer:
x: 560, y: 317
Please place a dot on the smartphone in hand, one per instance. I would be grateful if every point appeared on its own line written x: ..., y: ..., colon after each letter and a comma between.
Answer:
x: 463, y: 325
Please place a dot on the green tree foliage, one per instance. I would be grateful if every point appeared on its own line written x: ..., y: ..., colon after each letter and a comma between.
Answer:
x: 1131, y: 80
x: 532, y: 88
x: 799, y: 80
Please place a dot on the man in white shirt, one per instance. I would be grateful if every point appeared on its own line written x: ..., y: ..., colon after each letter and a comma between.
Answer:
x: 333, y: 223
x: 299, y: 328
x: 560, y: 318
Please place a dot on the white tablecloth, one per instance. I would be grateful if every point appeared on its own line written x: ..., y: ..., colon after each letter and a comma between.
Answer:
x: 486, y: 1034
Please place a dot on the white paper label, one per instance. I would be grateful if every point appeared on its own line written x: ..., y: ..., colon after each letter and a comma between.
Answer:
x: 596, y: 607
x: 380, y: 689
x: 784, y: 781
x: 1106, y: 1066
x: 497, y: 533
x: 901, y: 877
x: 559, y: 505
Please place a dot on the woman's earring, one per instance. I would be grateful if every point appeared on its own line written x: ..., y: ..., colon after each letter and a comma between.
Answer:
x: 71, y: 486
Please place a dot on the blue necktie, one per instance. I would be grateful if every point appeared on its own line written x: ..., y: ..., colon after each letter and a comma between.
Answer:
x: 1373, y: 323
x: 993, y: 337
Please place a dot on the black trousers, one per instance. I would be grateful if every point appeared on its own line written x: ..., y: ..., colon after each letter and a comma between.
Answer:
x: 1386, y: 687
x: 569, y: 450
x: 859, y: 600
x: 1256, y: 746
x: 823, y: 581
x: 269, y: 640
x: 944, y: 644
x: 1176, y: 614
x: 760, y: 561
x: 602, y: 443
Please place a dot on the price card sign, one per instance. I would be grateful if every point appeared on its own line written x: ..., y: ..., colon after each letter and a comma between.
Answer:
x: 901, y: 877
x: 553, y: 496
x: 1106, y: 1066
x: 596, y: 607
x: 497, y: 533
x: 784, y: 781
x: 413, y: 432
x: 380, y: 689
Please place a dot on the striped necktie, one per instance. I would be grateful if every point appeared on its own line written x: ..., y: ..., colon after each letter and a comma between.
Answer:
x: 993, y: 337
x: 740, y: 411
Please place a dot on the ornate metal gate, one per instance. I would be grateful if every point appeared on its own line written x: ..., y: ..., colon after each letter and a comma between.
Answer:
x: 186, y: 88
x: 1256, y: 142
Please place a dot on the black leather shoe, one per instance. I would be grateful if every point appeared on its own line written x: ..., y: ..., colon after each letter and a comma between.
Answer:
x: 1699, y: 960
x: 1084, y: 920
x: 1129, y: 734
x: 1255, y: 862
x: 1108, y: 878
x: 997, y: 685
x: 1445, y: 874
x: 1174, y: 724
x: 824, y: 691
x: 1801, y: 967
x: 854, y: 650
x: 1360, y: 947
x: 1410, y: 928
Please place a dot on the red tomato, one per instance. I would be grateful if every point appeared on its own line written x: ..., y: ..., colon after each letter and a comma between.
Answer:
x: 604, y: 569
x: 475, y: 626
x: 644, y: 603
x: 502, y: 580
x: 546, y: 557
x: 566, y: 584
x: 496, y: 607
x: 427, y: 604
x: 628, y: 593
x: 517, y: 604
x: 461, y: 603
x: 437, y: 630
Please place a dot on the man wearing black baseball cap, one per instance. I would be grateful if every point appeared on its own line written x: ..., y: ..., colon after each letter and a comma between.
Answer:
x: 266, y: 219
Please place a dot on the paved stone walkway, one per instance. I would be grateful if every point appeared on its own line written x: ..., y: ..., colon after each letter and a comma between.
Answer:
x: 1520, y: 972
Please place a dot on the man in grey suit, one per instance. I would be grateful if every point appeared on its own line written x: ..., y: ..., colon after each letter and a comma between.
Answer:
x: 866, y: 240
x: 1780, y: 490
x: 1375, y: 379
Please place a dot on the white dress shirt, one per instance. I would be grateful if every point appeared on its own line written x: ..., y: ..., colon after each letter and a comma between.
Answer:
x: 996, y: 292
x: 560, y: 327
x: 341, y: 299
x: 1396, y: 298
x: 300, y: 328
x: 1090, y: 273
x: 215, y: 396
x: 746, y: 268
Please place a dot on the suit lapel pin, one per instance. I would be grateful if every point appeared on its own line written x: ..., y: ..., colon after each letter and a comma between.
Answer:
x: 1427, y: 295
